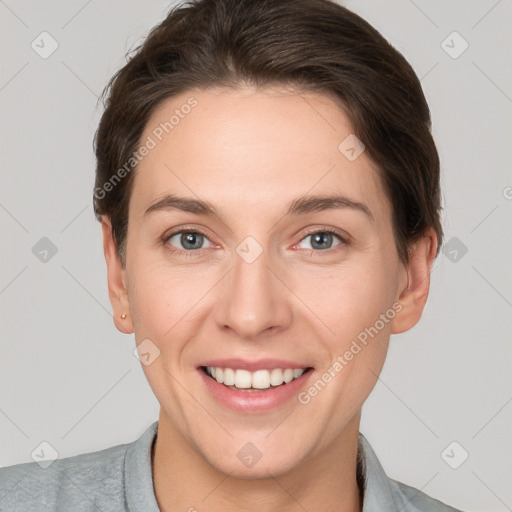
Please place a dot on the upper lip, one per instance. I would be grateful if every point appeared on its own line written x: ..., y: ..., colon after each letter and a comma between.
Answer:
x: 252, y: 366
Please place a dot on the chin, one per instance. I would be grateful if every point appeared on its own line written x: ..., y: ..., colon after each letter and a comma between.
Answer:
x: 244, y: 460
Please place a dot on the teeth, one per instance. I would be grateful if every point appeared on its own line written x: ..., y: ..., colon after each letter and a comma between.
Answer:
x: 288, y: 375
x: 260, y: 379
x: 297, y: 373
x: 242, y: 379
x: 276, y: 377
x: 229, y: 377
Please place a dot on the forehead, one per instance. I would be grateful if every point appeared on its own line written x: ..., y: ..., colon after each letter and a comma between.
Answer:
x: 250, y: 146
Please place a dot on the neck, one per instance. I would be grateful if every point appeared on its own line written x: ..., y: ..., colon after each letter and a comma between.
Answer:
x: 184, y: 480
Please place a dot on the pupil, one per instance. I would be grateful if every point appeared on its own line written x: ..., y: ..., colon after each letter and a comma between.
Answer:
x: 189, y: 238
x: 324, y: 240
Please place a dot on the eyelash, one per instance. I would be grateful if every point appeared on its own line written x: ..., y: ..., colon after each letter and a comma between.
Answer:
x: 198, y: 252
x: 331, y: 231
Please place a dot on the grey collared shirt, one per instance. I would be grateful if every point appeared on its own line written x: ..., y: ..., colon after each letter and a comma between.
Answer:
x: 120, y: 479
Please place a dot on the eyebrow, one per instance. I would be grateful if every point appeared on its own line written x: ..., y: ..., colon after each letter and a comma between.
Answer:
x: 301, y: 205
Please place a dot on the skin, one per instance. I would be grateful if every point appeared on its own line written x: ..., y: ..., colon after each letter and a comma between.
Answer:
x: 250, y: 152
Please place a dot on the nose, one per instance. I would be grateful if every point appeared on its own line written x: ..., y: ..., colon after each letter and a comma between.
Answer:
x: 253, y: 301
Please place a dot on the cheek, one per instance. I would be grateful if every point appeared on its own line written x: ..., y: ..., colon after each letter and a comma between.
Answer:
x: 166, y: 300
x: 161, y: 300
x: 363, y: 326
x: 166, y: 307
x: 349, y: 299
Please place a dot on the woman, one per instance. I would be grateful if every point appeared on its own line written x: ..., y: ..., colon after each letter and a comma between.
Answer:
x: 268, y: 190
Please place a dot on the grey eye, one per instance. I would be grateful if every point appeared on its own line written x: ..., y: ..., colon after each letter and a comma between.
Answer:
x: 189, y: 240
x: 322, y: 240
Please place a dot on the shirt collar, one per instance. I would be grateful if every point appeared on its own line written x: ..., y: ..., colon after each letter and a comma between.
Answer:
x: 139, y: 489
x: 379, y: 492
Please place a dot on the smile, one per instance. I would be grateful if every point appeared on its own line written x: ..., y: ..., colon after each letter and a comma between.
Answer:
x: 241, y: 379
x: 253, y: 386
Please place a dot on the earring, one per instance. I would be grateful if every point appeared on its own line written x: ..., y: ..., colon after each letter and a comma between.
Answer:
x: 123, y: 316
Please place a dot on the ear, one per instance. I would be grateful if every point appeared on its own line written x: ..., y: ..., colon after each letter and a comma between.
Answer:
x: 116, y: 280
x: 417, y: 275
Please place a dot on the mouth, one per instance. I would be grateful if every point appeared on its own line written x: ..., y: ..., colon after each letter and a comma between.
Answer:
x: 261, y: 380
x: 253, y: 386
x: 256, y: 390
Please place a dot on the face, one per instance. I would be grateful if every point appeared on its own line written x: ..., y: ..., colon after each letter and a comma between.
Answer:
x: 232, y: 264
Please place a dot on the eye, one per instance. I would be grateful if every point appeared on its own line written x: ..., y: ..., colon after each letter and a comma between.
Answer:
x: 189, y: 240
x: 322, y: 240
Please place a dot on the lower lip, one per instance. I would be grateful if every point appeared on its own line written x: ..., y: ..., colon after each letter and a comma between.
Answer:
x: 254, y: 401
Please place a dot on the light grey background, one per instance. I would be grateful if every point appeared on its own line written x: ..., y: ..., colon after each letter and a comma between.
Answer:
x: 70, y: 378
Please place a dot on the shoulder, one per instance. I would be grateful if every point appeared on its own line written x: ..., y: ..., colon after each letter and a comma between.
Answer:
x: 384, y: 493
x: 413, y: 500
x: 89, y: 481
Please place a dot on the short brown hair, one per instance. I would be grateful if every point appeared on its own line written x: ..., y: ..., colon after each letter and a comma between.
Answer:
x: 315, y: 45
